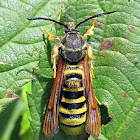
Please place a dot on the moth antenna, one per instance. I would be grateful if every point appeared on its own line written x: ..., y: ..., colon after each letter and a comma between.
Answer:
x: 107, y: 13
x: 40, y: 18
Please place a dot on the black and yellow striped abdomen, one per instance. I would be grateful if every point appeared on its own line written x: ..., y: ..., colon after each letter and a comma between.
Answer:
x: 72, y: 109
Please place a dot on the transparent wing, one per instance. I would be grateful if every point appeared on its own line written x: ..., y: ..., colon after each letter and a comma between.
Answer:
x: 50, y: 124
x: 93, y: 115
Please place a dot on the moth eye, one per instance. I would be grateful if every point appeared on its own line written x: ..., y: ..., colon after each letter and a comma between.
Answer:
x: 60, y: 49
x: 85, y: 49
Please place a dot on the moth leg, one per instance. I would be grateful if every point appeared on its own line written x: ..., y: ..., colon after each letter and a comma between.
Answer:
x: 90, y: 30
x: 55, y: 50
x: 54, y: 55
x: 51, y: 36
x: 90, y: 56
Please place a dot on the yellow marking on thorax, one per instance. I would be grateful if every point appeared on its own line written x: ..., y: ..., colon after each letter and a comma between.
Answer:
x: 79, y: 100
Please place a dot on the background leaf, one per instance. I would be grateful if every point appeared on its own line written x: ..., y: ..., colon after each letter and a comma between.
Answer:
x: 116, y: 46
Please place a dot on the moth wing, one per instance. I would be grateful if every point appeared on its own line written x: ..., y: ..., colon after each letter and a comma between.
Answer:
x: 93, y: 121
x: 50, y: 124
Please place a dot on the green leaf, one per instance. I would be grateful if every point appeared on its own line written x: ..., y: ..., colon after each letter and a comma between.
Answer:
x: 9, y: 117
x: 116, y: 47
x: 5, y: 101
x: 25, y: 124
